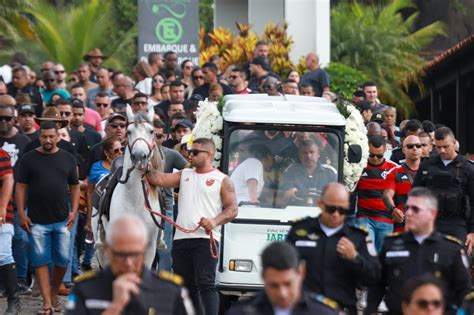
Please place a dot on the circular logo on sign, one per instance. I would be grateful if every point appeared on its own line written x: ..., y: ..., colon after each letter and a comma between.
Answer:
x: 169, y: 31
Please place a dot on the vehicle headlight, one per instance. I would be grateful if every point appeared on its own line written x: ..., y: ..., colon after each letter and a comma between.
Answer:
x: 240, y: 265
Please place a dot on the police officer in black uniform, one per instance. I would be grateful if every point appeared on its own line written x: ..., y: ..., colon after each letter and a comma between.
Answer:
x: 283, y: 274
x: 127, y: 286
x: 338, y: 256
x: 421, y: 250
x: 451, y: 177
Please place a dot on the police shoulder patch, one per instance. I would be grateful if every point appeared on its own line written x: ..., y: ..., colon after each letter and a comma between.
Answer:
x: 325, y: 300
x: 171, y: 277
x: 453, y: 239
x: 469, y: 296
x: 301, y: 232
x: 85, y: 276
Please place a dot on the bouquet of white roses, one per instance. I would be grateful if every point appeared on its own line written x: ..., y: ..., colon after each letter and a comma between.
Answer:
x: 209, y: 124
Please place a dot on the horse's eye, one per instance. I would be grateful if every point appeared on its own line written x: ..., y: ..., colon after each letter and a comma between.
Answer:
x: 152, y: 132
x: 129, y: 132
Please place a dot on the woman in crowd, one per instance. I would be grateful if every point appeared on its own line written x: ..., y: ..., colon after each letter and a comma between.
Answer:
x: 294, y: 75
x: 215, y: 92
x: 198, y: 78
x: 142, y: 74
x: 187, y: 67
x: 157, y: 83
x: 423, y: 295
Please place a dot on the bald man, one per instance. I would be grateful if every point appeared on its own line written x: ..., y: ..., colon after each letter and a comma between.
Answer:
x: 127, y: 286
x: 317, y: 77
x: 399, y: 184
x: 338, y: 256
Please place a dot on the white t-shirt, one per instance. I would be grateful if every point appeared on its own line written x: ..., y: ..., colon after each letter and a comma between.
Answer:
x: 249, y: 169
x: 144, y: 86
x: 199, y: 196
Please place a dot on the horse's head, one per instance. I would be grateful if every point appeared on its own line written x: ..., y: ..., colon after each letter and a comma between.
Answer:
x: 141, y: 138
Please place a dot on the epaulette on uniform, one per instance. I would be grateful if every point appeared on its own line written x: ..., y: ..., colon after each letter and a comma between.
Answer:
x: 302, y: 219
x: 393, y: 235
x: 362, y: 229
x: 85, y: 276
x: 469, y: 297
x: 171, y: 277
x: 453, y: 239
x: 325, y: 300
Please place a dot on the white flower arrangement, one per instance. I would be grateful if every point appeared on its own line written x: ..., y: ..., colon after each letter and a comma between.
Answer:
x: 355, y: 133
x: 209, y: 124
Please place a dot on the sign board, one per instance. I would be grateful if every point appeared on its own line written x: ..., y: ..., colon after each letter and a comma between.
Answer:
x: 165, y: 25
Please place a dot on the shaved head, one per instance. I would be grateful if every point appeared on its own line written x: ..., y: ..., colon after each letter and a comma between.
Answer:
x: 128, y: 227
x: 335, y: 190
x: 7, y: 100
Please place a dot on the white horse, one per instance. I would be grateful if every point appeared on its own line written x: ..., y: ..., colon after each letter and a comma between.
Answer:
x: 128, y: 196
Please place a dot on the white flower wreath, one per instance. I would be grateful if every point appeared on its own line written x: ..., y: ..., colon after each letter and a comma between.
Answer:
x: 356, y: 133
x: 209, y: 124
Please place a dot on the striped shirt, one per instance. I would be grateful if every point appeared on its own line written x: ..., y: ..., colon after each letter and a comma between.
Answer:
x: 370, y: 189
x: 400, y: 183
x: 6, y: 168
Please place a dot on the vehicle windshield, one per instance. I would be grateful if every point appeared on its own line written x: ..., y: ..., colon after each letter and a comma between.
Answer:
x: 277, y: 169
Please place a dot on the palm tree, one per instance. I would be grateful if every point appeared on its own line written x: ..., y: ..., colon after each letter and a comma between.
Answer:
x: 380, y: 42
x: 66, y: 34
x: 10, y: 17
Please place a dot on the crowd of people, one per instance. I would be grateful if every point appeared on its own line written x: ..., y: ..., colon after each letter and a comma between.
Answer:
x: 61, y: 132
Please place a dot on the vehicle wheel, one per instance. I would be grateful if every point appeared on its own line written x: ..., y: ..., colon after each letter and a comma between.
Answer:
x: 225, y: 302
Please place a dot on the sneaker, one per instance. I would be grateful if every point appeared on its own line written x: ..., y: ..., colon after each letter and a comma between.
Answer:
x: 23, y: 287
x: 382, y: 307
x: 361, y: 299
x: 14, y: 306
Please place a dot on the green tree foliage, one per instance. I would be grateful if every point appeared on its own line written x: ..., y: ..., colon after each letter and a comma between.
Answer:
x: 65, y: 33
x: 379, y: 41
x: 345, y: 79
x: 206, y: 15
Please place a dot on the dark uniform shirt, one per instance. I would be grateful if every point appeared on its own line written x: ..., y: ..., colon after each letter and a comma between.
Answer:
x: 161, y: 294
x: 327, y: 272
x: 310, y: 303
x: 402, y: 257
x: 453, y: 184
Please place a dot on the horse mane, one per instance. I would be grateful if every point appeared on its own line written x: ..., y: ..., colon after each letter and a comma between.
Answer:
x: 141, y: 117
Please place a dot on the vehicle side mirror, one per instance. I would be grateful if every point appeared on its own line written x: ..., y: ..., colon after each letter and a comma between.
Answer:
x: 354, y: 153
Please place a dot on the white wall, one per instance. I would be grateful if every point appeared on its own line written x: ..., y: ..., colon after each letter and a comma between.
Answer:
x: 227, y: 12
x: 262, y: 12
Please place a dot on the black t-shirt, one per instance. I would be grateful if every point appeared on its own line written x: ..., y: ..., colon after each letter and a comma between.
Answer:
x: 95, y: 153
x: 33, y: 135
x: 203, y: 90
x: 165, y: 105
x: 32, y: 91
x: 48, y: 177
x: 92, y: 137
x: 15, y: 147
x: 170, y: 143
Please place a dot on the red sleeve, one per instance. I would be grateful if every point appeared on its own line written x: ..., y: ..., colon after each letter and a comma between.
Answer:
x: 390, y: 182
x: 5, y: 163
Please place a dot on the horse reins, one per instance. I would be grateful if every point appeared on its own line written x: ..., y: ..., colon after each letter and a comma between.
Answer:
x: 212, y: 242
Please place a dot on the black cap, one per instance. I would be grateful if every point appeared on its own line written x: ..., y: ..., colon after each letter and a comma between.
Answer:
x: 76, y: 101
x: 186, y: 123
x: 196, y: 98
x: 261, y: 62
x: 364, y: 105
x: 26, y: 108
x: 377, y: 117
x: 117, y: 115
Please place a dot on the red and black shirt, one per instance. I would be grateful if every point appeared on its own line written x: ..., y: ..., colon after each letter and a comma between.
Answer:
x: 370, y: 187
x: 5, y: 169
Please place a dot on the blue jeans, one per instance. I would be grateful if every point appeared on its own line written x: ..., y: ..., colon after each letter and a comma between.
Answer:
x: 377, y: 230
x: 89, y: 252
x: 6, y: 236
x: 193, y: 261
x: 72, y: 254
x: 21, y: 249
x: 165, y: 262
x: 50, y: 244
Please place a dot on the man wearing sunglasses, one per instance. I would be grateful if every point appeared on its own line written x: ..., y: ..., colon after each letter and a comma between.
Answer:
x: 399, y: 185
x: 50, y: 87
x: 451, y: 177
x: 338, y: 256
x: 372, y: 214
x: 206, y: 197
x: 420, y: 250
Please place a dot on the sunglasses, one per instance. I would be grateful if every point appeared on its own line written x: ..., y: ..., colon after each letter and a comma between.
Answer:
x: 414, y: 145
x: 140, y: 103
x: 44, y: 70
x: 198, y: 77
x: 117, y: 125
x: 331, y: 209
x: 159, y: 135
x: 268, y: 87
x: 101, y: 104
x: 50, y: 80
x: 118, y: 150
x: 123, y: 256
x: 159, y: 80
x: 67, y: 114
x: 233, y: 77
x: 6, y: 118
x: 424, y: 304
x: 415, y: 209
x: 196, y: 151
x: 379, y: 156
x: 59, y: 72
